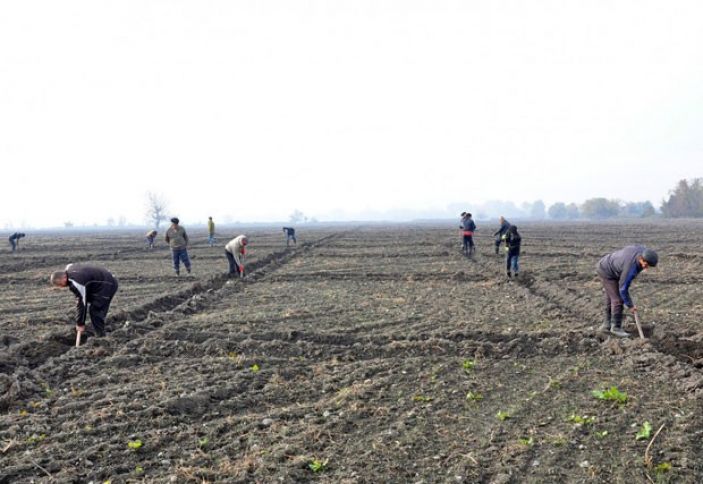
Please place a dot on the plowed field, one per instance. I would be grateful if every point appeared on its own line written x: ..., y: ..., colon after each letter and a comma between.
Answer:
x: 369, y: 354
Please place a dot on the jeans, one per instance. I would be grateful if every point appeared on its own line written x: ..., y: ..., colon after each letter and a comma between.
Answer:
x: 211, y: 240
x: 512, y: 263
x: 178, y: 256
x: 13, y: 244
x: 468, y: 243
x: 289, y: 238
x: 233, y: 267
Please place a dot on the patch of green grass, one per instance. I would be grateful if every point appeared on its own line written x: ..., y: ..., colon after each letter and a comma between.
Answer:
x: 474, y: 397
x: 255, y: 368
x: 602, y: 434
x: 611, y: 394
x: 139, y: 470
x: 35, y: 439
x: 422, y: 398
x: 663, y: 468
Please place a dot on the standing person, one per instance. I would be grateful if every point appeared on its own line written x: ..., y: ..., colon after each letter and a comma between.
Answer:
x: 210, y: 232
x: 150, y: 237
x: 290, y: 235
x: 94, y: 288
x: 617, y: 271
x: 513, y: 241
x: 235, y: 251
x: 500, y: 235
x: 468, y: 228
x: 15, y: 240
x: 177, y: 239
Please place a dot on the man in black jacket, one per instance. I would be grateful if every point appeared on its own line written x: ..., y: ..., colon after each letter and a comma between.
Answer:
x: 15, y: 240
x: 94, y: 287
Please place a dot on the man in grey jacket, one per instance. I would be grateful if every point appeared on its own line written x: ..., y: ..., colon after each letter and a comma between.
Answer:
x: 616, y: 272
x: 177, y: 239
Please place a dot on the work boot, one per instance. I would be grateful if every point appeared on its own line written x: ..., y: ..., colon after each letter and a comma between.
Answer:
x: 605, y: 327
x: 508, y: 274
x: 616, y: 329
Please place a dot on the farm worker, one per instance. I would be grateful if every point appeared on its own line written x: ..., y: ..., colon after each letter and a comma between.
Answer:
x: 177, y: 239
x: 235, y: 251
x: 617, y: 271
x: 94, y: 287
x: 15, y: 240
x: 468, y: 227
x: 150, y: 236
x: 290, y: 235
x: 210, y: 232
x: 513, y: 241
x: 501, y: 233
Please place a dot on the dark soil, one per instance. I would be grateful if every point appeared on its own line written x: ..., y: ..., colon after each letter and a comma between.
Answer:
x: 379, y: 354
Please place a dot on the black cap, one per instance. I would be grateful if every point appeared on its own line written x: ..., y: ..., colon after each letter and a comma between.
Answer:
x: 650, y: 257
x: 175, y: 220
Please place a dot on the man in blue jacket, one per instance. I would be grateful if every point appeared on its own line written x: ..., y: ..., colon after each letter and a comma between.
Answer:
x: 617, y: 271
x: 502, y: 233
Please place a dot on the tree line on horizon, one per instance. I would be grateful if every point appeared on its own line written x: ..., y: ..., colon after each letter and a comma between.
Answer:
x: 684, y: 200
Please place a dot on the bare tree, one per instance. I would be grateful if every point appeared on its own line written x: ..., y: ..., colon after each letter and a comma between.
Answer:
x: 156, y: 208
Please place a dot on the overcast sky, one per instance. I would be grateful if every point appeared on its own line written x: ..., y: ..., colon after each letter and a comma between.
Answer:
x: 246, y: 110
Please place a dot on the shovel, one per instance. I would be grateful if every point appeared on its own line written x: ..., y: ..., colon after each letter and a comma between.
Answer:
x: 639, y: 326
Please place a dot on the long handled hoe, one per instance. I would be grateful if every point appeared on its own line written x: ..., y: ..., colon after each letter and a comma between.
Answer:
x: 639, y: 326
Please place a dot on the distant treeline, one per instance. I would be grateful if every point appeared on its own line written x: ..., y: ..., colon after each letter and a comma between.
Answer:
x: 685, y: 200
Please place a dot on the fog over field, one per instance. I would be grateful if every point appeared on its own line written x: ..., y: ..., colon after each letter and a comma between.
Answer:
x: 370, y: 110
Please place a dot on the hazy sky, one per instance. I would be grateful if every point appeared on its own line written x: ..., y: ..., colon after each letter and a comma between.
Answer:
x: 249, y: 109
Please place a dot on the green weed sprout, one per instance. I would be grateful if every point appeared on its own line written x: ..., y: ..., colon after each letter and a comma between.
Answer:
x: 255, y: 368
x: 474, y: 397
x: 135, y: 445
x: 502, y: 416
x: 527, y: 441
x: 645, y: 431
x: 663, y: 468
x: 582, y: 420
x: 468, y: 365
x: 422, y: 398
x: 317, y: 465
x: 612, y: 394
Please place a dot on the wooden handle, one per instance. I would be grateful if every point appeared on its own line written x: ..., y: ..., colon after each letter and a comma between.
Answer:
x: 78, y: 339
x: 639, y: 327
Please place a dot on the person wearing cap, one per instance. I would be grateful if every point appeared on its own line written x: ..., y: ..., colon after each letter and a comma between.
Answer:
x: 617, y: 271
x: 235, y: 251
x: 210, y: 232
x: 290, y: 235
x: 501, y: 234
x: 94, y: 288
x: 468, y: 227
x: 177, y: 239
x: 150, y: 237
x: 15, y: 240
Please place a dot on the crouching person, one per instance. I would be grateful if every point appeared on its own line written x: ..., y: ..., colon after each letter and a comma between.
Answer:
x: 94, y: 288
x: 235, y: 251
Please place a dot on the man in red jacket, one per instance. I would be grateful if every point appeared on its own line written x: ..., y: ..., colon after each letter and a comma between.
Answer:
x: 94, y: 288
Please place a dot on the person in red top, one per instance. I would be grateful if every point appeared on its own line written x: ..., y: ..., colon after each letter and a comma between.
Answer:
x: 468, y: 227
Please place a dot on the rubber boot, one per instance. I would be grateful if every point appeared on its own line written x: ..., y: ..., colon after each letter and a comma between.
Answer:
x: 617, y: 330
x: 605, y: 327
x: 508, y: 274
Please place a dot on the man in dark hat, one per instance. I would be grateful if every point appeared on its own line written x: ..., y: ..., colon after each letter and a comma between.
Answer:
x: 617, y: 271
x: 177, y: 239
x: 94, y: 287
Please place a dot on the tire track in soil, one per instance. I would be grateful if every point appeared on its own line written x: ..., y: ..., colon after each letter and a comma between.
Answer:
x: 27, y: 356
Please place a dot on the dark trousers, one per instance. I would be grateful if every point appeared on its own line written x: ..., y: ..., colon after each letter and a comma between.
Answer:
x: 13, y: 244
x: 468, y: 243
x: 612, y: 302
x: 99, y: 306
x: 233, y: 267
x: 178, y: 256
